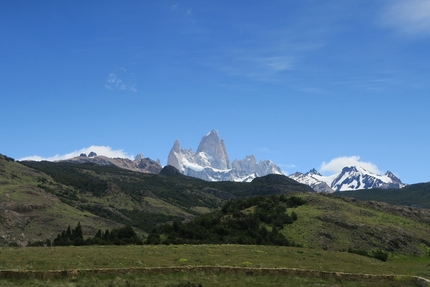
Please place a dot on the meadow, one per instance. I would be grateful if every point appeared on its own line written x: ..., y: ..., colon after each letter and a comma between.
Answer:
x: 94, y: 257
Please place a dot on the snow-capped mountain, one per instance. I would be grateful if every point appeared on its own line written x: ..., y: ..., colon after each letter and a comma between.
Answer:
x: 211, y: 162
x: 315, y: 180
x: 350, y: 178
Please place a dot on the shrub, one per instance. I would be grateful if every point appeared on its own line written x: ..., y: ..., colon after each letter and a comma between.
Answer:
x: 380, y: 255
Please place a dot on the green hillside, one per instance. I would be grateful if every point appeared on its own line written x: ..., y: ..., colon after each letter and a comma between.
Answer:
x: 30, y: 213
x: 40, y: 199
x: 415, y: 195
x: 309, y: 220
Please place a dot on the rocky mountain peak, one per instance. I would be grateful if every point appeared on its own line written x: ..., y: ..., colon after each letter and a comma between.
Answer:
x: 350, y: 178
x: 214, y: 150
x: 92, y: 154
x: 211, y: 162
x: 394, y: 178
x: 176, y: 146
x: 138, y: 157
x: 313, y: 171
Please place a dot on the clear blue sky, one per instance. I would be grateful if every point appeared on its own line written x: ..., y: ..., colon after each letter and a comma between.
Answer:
x: 297, y: 82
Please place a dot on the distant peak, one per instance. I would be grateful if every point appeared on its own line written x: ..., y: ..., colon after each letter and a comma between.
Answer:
x: 349, y: 169
x: 393, y: 177
x: 213, y: 133
x: 139, y: 157
x: 313, y: 171
x: 92, y: 154
x: 176, y: 146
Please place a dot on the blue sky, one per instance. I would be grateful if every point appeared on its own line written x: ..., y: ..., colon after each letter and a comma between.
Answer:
x: 307, y: 84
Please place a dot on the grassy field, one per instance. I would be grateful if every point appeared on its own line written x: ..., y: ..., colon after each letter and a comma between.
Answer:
x: 90, y: 257
x: 196, y: 280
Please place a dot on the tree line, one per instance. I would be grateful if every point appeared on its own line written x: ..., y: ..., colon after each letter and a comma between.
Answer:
x: 256, y: 220
x: 74, y: 237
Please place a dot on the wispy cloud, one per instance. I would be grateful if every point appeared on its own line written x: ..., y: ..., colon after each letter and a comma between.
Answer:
x: 286, y: 166
x: 115, y: 81
x: 337, y: 164
x: 256, y: 67
x: 410, y: 18
x: 99, y: 150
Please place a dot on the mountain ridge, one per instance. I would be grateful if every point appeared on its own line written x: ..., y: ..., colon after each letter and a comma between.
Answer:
x: 350, y: 178
x: 140, y: 164
x: 211, y: 162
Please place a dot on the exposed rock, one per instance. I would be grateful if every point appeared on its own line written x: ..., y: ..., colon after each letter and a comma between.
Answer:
x: 138, y: 157
x: 145, y: 165
x: 211, y: 162
x: 214, y: 152
x: 350, y: 178
x: 92, y: 154
x: 83, y: 155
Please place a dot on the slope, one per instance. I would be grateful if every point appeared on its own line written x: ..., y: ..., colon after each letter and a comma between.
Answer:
x: 310, y: 220
x: 126, y: 197
x: 338, y: 223
x: 415, y: 195
x: 31, y: 213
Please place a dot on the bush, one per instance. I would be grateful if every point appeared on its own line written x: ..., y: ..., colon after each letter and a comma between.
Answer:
x: 380, y: 255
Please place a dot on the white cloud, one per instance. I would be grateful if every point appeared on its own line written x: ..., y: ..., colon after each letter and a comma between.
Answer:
x: 410, y: 17
x: 115, y: 81
x: 337, y: 164
x: 99, y: 150
x: 278, y: 64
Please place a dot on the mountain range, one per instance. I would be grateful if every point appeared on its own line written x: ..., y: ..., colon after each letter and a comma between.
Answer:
x: 140, y: 164
x: 350, y: 178
x: 212, y: 163
x: 40, y: 199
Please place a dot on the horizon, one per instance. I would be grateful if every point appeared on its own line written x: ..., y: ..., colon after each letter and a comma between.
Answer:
x: 328, y: 170
x: 305, y: 84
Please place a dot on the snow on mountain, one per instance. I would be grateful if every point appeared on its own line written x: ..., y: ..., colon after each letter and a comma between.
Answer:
x: 211, y: 162
x: 350, y: 178
x: 315, y: 180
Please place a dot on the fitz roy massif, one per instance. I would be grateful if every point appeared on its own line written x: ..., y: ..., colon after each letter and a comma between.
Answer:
x: 211, y: 162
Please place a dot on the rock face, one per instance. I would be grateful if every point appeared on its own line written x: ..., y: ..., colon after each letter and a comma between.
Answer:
x: 145, y: 165
x: 92, y: 154
x: 314, y: 180
x: 212, y: 152
x: 350, y: 178
x: 211, y: 162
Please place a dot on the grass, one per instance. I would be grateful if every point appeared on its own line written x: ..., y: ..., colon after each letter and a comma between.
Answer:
x: 338, y: 225
x: 205, y: 279
x: 92, y: 257
x: 89, y: 257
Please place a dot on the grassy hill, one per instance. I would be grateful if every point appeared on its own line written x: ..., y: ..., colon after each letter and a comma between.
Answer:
x: 30, y: 213
x: 337, y: 223
x: 320, y: 222
x: 415, y: 195
x: 40, y: 199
